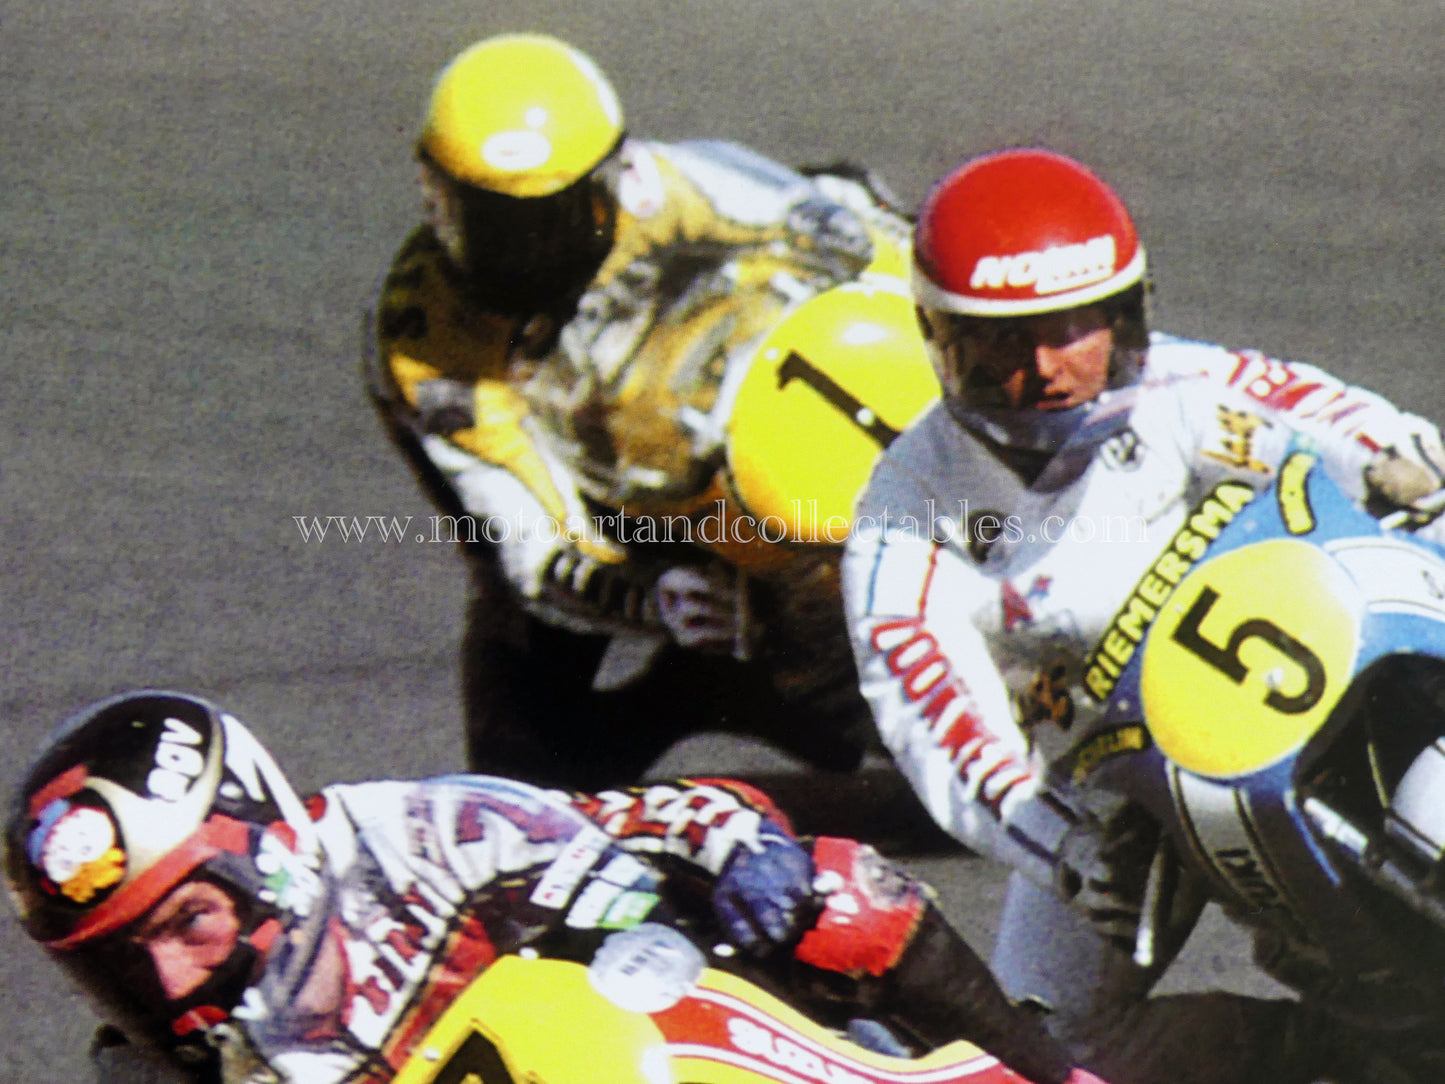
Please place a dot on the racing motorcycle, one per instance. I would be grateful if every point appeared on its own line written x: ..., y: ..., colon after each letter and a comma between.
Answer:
x: 736, y: 397
x: 759, y: 380
x: 648, y: 1009
x: 1275, y: 698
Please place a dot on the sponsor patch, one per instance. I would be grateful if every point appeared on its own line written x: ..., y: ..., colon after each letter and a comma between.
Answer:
x: 1189, y: 544
x: 1236, y: 440
x: 628, y: 910
x: 620, y: 897
x: 567, y: 870
x: 646, y: 969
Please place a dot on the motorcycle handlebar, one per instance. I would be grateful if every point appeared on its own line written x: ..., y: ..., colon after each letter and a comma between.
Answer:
x: 1372, y: 859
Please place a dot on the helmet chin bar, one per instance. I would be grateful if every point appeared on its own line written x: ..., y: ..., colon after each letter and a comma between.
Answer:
x: 291, y: 954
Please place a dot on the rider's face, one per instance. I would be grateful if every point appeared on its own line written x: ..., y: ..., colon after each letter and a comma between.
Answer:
x: 188, y: 935
x: 1053, y: 361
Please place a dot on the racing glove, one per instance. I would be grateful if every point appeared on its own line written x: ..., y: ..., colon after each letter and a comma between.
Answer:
x: 881, y: 928
x: 703, y: 609
x: 764, y: 895
x: 1411, y: 485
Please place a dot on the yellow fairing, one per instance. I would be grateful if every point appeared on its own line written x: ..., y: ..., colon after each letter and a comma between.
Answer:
x: 830, y: 387
x: 541, y: 1021
x: 521, y: 114
x: 545, y: 1022
x: 1247, y: 659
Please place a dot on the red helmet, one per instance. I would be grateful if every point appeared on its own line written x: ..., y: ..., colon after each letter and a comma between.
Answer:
x: 1014, y: 238
x: 1022, y: 232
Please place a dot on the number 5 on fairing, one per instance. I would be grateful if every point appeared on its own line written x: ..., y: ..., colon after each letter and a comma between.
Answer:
x: 1227, y: 659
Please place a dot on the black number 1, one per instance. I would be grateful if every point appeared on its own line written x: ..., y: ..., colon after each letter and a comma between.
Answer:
x: 797, y: 367
x: 1227, y: 661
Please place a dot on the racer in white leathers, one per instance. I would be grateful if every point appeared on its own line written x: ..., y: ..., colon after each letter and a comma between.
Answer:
x: 1000, y: 536
x: 158, y: 853
x: 550, y: 236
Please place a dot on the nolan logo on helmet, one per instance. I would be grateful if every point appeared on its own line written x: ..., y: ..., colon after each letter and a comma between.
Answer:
x: 1051, y: 271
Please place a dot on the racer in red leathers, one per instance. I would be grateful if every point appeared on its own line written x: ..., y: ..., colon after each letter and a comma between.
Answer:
x: 1003, y: 531
x: 160, y: 856
x: 497, y: 349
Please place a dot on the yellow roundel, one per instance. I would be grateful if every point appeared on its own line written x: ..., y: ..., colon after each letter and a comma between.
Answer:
x: 1248, y: 657
x: 515, y: 1011
x: 524, y: 115
x: 829, y: 388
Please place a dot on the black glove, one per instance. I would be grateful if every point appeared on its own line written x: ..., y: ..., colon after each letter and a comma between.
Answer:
x: 1104, y: 868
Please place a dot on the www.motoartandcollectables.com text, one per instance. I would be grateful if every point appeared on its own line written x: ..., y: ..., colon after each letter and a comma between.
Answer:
x: 723, y: 525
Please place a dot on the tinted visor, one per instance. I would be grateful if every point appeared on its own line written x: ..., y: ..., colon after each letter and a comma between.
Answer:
x: 974, y: 354
x: 520, y: 254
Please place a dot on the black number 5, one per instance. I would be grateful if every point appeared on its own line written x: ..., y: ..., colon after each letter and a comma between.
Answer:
x: 1227, y: 661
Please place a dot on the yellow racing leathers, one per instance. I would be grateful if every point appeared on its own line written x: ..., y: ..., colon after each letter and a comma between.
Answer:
x: 575, y: 451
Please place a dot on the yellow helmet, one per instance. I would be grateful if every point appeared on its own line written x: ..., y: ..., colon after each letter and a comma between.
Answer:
x: 513, y: 150
x: 522, y: 115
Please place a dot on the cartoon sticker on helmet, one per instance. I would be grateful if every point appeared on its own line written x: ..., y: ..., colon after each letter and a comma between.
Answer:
x: 75, y: 846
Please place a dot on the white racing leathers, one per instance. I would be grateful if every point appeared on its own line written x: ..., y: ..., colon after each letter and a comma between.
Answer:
x: 976, y: 589
x: 978, y: 582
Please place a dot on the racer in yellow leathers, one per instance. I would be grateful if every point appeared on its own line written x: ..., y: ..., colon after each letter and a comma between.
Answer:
x: 548, y: 350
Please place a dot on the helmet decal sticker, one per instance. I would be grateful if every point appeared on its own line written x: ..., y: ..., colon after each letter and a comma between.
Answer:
x: 75, y: 846
x: 290, y: 883
x: 516, y: 151
x: 252, y: 765
x: 1062, y: 267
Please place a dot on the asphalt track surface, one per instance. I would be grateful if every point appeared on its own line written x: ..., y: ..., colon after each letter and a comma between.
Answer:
x: 195, y: 200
